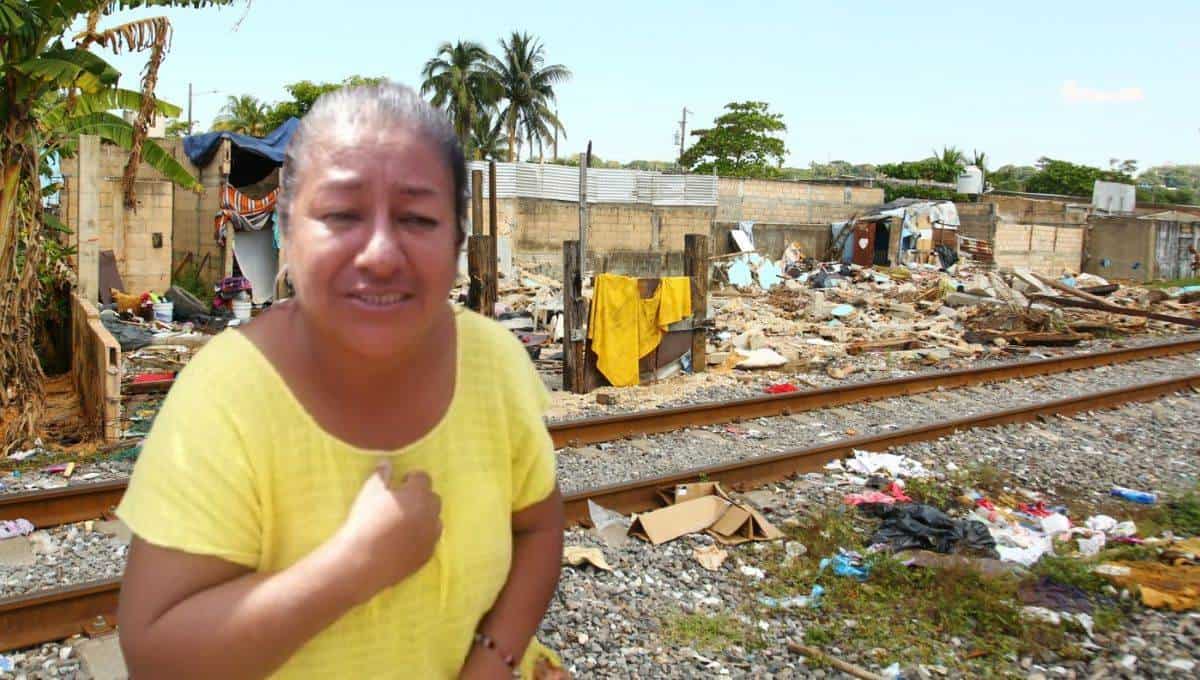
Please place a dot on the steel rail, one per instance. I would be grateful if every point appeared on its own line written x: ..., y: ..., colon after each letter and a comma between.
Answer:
x: 88, y: 501
x: 607, y: 428
x: 641, y: 495
x: 55, y: 614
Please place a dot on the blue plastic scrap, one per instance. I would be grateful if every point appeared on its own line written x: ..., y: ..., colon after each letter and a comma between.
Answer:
x: 843, y: 565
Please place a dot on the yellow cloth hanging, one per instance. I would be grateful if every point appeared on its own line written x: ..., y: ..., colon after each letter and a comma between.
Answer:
x: 624, y: 328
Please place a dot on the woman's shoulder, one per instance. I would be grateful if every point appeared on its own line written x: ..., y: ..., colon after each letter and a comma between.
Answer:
x: 486, y: 337
x: 490, y: 349
x: 228, y: 370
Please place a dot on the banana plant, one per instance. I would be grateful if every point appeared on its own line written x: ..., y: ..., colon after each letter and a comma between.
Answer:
x: 52, y: 87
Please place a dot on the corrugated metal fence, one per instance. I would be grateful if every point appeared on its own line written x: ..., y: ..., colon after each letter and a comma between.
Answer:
x: 561, y: 183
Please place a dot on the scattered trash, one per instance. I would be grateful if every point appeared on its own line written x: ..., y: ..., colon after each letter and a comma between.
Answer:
x: 711, y: 557
x: 986, y: 567
x: 1174, y: 587
x: 810, y: 601
x: 917, y: 526
x: 575, y: 556
x: 1185, y: 665
x: 794, y: 549
x: 6, y: 665
x: 844, y: 564
x: 870, y: 463
x: 611, y: 527
x: 752, y: 572
x: 1050, y: 594
x: 760, y: 358
x: 1143, y: 497
x: 781, y: 388
x: 15, y: 527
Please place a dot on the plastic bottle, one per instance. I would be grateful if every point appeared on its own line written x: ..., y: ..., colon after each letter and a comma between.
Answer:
x: 1143, y: 497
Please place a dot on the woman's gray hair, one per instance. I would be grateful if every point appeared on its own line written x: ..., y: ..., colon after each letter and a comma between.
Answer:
x: 371, y: 107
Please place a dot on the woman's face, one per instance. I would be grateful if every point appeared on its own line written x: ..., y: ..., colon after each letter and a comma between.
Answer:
x: 372, y: 240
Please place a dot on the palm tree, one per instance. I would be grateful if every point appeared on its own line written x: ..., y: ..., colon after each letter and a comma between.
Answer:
x: 244, y: 114
x: 49, y: 94
x: 979, y: 160
x: 461, y: 83
x: 487, y: 138
x: 528, y: 86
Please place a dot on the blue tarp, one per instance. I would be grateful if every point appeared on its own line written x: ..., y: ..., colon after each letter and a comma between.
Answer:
x: 200, y: 148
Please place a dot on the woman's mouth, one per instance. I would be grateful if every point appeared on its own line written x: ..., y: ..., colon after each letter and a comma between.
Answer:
x: 382, y: 300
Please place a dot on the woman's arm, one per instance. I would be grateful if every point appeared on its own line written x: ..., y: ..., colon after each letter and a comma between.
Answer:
x: 185, y: 616
x: 532, y: 579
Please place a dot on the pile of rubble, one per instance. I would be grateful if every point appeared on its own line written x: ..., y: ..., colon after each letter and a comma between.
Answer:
x: 818, y: 314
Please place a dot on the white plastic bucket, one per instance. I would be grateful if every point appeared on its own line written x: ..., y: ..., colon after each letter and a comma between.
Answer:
x: 241, y: 310
x: 164, y: 311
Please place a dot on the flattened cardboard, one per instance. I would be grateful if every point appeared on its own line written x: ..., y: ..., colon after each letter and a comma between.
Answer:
x: 671, y: 522
x: 742, y: 523
x: 672, y: 495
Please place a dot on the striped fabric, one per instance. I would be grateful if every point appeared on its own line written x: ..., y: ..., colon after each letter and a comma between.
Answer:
x: 253, y: 211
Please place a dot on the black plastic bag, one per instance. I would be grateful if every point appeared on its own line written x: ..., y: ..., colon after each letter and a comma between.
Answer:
x: 947, y: 256
x: 914, y: 526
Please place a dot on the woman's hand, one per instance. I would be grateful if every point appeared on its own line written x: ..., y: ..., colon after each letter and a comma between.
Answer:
x: 390, y: 533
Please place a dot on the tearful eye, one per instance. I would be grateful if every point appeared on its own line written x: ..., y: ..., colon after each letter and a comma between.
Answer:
x: 340, y: 218
x: 418, y: 221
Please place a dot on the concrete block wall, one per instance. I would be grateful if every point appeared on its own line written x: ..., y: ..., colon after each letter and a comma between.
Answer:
x: 129, y: 233
x: 542, y: 226
x: 977, y: 220
x: 193, y: 214
x: 1044, y: 249
x: 792, y: 202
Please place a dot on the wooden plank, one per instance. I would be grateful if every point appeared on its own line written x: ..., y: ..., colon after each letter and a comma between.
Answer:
x: 695, y: 265
x: 892, y: 345
x: 87, y: 227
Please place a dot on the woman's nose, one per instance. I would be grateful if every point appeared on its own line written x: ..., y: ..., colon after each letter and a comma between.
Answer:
x: 383, y: 254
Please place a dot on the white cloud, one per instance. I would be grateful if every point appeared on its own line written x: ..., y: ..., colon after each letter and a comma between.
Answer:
x: 1072, y: 92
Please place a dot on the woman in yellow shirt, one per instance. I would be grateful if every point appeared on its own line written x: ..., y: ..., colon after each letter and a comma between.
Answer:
x: 359, y: 484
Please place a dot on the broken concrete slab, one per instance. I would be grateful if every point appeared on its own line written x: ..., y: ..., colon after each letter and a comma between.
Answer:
x: 16, y: 552
x: 102, y: 658
x: 966, y: 299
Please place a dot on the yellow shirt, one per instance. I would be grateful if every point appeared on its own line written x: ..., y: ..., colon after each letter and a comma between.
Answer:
x: 236, y: 468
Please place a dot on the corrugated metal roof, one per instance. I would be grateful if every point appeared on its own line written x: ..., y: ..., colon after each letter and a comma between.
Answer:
x: 605, y: 185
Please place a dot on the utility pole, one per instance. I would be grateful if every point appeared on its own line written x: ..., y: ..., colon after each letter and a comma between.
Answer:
x: 189, y: 128
x: 683, y: 134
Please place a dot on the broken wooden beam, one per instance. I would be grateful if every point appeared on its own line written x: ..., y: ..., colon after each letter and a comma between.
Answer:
x: 892, y: 345
x: 1105, y: 306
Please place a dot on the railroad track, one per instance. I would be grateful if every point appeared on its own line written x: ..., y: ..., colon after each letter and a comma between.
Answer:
x: 62, y: 612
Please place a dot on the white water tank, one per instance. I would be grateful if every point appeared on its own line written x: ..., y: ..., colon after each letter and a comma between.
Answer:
x: 970, y: 181
x: 1114, y: 197
x: 157, y: 129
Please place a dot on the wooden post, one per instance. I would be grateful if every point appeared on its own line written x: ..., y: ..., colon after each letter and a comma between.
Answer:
x: 492, y: 205
x: 87, y: 227
x: 574, y: 334
x: 585, y: 160
x: 481, y: 267
x: 477, y: 202
x: 695, y: 265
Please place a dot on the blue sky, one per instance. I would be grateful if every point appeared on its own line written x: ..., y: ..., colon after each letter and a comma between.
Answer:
x: 868, y: 81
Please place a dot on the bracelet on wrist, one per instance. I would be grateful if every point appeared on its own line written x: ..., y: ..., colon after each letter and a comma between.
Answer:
x: 487, y: 642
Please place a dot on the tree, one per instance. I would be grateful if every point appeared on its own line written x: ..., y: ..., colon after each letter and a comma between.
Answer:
x: 1128, y: 166
x: 979, y: 159
x: 1011, y: 177
x: 528, y: 87
x: 743, y: 142
x: 176, y: 128
x: 486, y: 142
x: 1068, y: 179
x: 49, y: 94
x: 943, y: 166
x: 305, y: 93
x: 245, y: 115
x: 462, y: 84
